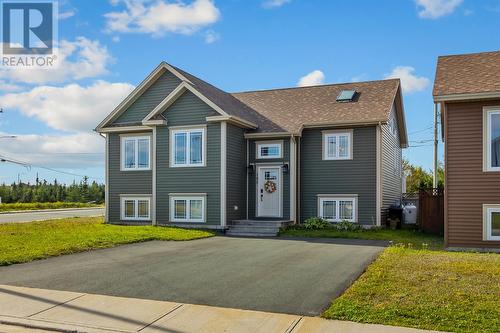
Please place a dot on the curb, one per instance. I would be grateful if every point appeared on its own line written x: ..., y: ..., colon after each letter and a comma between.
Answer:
x: 48, y: 210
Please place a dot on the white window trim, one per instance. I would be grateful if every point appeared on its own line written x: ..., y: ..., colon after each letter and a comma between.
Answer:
x: 327, y: 134
x: 188, y: 164
x: 337, y: 198
x: 488, y: 112
x: 136, y: 203
x: 261, y: 144
x: 488, y: 209
x: 136, y: 139
x: 202, y: 197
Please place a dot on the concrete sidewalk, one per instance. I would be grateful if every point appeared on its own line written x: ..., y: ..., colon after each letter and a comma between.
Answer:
x: 62, y: 311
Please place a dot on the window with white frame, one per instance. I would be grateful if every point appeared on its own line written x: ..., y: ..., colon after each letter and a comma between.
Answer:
x: 135, y: 152
x: 337, y: 145
x: 392, y: 125
x: 492, y: 222
x: 269, y: 149
x: 135, y: 208
x: 187, y: 208
x: 337, y: 209
x: 493, y: 140
x: 187, y: 147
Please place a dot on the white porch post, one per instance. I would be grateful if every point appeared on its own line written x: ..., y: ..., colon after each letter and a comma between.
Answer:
x: 223, y: 158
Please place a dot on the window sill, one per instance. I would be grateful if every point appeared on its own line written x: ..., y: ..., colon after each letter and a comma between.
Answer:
x: 188, y: 166
x: 187, y: 221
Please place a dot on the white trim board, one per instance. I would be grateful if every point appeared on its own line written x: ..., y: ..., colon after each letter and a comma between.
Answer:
x: 138, y: 91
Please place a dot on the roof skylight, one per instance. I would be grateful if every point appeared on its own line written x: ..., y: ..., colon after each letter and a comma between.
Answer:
x: 346, y: 96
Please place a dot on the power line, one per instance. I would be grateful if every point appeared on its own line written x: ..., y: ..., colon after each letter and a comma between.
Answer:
x: 29, y: 165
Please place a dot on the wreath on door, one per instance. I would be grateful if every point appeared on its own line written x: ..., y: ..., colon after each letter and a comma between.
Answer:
x: 270, y: 186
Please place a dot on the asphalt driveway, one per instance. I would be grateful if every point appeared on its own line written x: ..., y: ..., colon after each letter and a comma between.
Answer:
x: 278, y: 275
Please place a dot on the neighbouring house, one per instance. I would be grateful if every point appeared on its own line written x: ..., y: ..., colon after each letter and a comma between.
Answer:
x: 182, y: 152
x: 467, y: 87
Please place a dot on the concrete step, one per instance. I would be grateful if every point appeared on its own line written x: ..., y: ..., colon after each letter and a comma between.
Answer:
x: 259, y: 223
x: 254, y: 227
x: 250, y: 234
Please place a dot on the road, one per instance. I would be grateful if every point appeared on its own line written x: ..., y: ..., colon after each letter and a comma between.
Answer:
x: 28, y: 216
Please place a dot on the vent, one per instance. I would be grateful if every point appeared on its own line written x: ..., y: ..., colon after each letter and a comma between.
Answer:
x: 346, y: 96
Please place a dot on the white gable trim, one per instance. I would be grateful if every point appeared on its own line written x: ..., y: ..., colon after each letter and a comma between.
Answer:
x: 139, y: 90
x: 178, y: 92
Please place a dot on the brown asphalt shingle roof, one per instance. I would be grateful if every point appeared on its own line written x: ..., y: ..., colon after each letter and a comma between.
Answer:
x: 293, y: 108
x: 467, y: 74
x: 289, y: 109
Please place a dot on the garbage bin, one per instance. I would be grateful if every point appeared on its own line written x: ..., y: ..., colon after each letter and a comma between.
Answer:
x: 395, y: 217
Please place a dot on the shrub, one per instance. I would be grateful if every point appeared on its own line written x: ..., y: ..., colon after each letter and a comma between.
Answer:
x: 314, y: 223
x: 347, y: 226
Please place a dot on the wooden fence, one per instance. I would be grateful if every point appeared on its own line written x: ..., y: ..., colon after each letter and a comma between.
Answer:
x: 431, y: 210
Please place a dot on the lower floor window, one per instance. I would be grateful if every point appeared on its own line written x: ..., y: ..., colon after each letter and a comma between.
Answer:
x: 135, y: 208
x: 337, y: 209
x: 492, y: 222
x: 187, y: 208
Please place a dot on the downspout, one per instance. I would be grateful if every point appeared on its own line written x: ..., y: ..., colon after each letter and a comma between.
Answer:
x: 293, y: 179
x: 378, y: 191
x: 298, y: 179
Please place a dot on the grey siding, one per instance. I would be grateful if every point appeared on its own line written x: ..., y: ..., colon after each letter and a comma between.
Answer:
x: 236, y: 173
x: 150, y: 99
x: 123, y: 182
x: 252, y: 178
x: 188, y: 110
x: 391, y: 167
x: 356, y: 176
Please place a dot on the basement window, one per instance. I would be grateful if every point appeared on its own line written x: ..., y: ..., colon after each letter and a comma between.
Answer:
x: 491, y: 222
x: 135, y: 208
x: 337, y: 209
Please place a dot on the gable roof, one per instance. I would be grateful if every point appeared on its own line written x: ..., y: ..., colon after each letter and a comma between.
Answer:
x: 286, y: 110
x: 467, y: 74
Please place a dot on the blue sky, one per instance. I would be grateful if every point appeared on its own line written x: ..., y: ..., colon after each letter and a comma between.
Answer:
x: 108, y: 47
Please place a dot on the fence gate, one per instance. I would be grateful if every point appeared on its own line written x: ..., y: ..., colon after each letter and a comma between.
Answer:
x: 431, y: 210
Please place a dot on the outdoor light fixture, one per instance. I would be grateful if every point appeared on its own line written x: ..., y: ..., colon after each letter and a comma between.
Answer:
x: 251, y: 168
x: 285, y: 167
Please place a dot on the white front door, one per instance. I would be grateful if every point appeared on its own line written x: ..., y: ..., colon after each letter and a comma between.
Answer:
x: 269, y: 191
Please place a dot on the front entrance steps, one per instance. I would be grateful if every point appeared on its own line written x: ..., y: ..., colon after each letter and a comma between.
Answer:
x: 256, y: 228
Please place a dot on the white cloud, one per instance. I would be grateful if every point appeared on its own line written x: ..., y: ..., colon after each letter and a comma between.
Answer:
x: 8, y: 87
x: 82, y: 58
x: 66, y: 15
x: 70, y: 108
x: 158, y: 17
x: 77, y: 151
x: 211, y: 37
x: 409, y: 82
x: 312, y: 79
x: 433, y: 9
x: 274, y: 3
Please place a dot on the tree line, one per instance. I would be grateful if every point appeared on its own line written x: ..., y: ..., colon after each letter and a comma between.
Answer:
x: 418, y: 178
x: 43, y: 191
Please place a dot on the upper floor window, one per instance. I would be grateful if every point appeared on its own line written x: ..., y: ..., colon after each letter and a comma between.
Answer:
x: 187, y: 147
x: 337, y: 145
x: 392, y: 126
x: 492, y: 140
x: 135, y: 152
x: 269, y: 149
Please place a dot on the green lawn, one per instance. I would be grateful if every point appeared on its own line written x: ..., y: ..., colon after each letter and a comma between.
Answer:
x: 22, y: 242
x: 7, y: 207
x: 415, y: 238
x: 448, y: 291
x: 418, y: 285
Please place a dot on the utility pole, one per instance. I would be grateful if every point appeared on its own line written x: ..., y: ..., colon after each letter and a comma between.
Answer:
x: 435, y: 173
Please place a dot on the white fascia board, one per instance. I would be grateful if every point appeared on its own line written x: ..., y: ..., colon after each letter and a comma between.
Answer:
x: 466, y: 97
x: 232, y: 120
